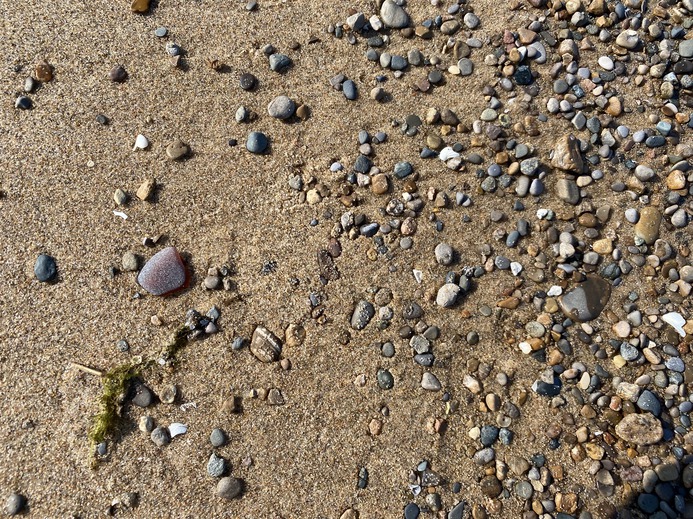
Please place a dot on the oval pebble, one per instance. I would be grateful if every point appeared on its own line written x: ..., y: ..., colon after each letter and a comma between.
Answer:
x: 164, y: 273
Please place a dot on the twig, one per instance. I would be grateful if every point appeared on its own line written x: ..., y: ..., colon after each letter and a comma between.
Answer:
x: 86, y: 369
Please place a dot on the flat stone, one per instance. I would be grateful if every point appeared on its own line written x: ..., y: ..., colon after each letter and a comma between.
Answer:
x: 229, y: 488
x: 586, y: 301
x: 393, y: 15
x: 164, y: 273
x: 247, y: 81
x: 649, y: 402
x: 45, y: 268
x: 640, y: 429
x: 218, y: 438
x: 279, y: 62
x: 177, y: 150
x: 647, y: 228
x: 568, y: 191
x: 686, y: 49
x: 265, y: 345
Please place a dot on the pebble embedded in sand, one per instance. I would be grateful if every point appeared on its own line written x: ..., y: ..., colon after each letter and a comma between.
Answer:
x: 139, y: 6
x: 177, y: 150
x: 257, y: 142
x: 44, y: 72
x: 640, y: 429
x: 146, y: 189
x: 647, y: 228
x: 118, y: 74
x: 163, y: 273
x: 45, y: 269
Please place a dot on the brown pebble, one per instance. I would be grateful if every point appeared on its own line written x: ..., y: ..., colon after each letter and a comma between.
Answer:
x: 44, y: 72
x: 139, y: 6
x: 303, y: 112
x: 380, y: 184
x: 118, y: 74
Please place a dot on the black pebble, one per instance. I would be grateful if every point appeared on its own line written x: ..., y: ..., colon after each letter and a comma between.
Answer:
x: 247, y: 81
x: 45, y: 269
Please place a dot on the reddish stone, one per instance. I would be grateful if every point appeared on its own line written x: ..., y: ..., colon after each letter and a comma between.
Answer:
x: 164, y: 273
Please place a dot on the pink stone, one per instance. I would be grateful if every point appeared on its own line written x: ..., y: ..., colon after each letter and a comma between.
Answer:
x: 164, y: 273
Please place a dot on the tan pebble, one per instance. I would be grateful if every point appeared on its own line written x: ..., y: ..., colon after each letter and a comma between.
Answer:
x: 676, y: 180
x: 349, y: 513
x: 380, y: 184
x: 295, y: 335
x: 603, y: 246
x: 303, y: 112
x: 146, y: 189
x: 139, y: 6
x: 614, y: 108
x: 375, y: 427
x: 313, y: 197
x: 285, y: 364
x: 510, y: 303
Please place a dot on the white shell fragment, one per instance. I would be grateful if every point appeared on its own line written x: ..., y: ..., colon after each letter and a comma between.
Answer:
x: 676, y: 321
x: 121, y: 214
x: 448, y: 153
x: 418, y: 275
x: 176, y: 429
x: 141, y: 143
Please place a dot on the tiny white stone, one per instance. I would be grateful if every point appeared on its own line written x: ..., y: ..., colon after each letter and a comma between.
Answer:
x: 418, y: 275
x: 176, y: 429
x: 554, y: 291
x: 676, y: 321
x: 141, y: 143
x: 515, y: 268
x: 375, y: 22
x: 525, y: 347
x: 448, y: 153
x: 606, y: 63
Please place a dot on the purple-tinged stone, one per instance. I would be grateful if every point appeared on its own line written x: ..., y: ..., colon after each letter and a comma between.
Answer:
x: 163, y: 273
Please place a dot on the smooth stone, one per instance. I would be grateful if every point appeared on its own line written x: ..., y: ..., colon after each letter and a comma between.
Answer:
x: 139, y: 6
x: 640, y: 429
x: 247, y: 81
x: 586, y: 301
x: 349, y: 90
x: 411, y: 511
x: 15, y: 504
x: 568, y: 191
x: 23, y: 103
x: 120, y: 197
x: 393, y: 15
x: 466, y: 67
x: 647, y: 228
x: 45, y: 268
x: 164, y: 273
x: 362, y: 314
x: 177, y: 150
x: 257, y: 142
x: 385, y: 379
x: 142, y: 396
x: 686, y: 48
x: 216, y: 466
x: 628, y: 39
x: 229, y: 488
x: 218, y: 438
x: 648, y: 402
x: 281, y: 107
x: 118, y: 74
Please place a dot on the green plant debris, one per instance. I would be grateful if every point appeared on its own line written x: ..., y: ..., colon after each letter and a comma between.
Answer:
x: 116, y: 383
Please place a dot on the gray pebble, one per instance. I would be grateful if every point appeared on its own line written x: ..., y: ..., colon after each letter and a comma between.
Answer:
x: 216, y: 466
x: 14, y: 504
x: 44, y: 268
x: 430, y: 382
x: 349, y: 90
x: 362, y: 315
x: 229, y: 488
x: 279, y: 62
x: 257, y: 142
x: 447, y: 295
x: 160, y: 436
x: 281, y: 107
x: 218, y: 438
x: 385, y: 379
x: 444, y: 254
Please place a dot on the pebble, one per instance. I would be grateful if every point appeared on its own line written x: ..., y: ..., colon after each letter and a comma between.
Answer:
x: 393, y: 15
x: 362, y: 314
x: 628, y: 39
x: 586, y: 301
x: 130, y: 262
x: 247, y: 81
x: 164, y: 273
x: 177, y: 150
x: 606, y: 62
x: 281, y: 107
x: 411, y: 511
x: 265, y: 345
x: 161, y: 436
x: 444, y: 254
x: 218, y: 438
x: 44, y: 268
x: 649, y: 402
x: 229, y: 488
x: 257, y: 142
x: 23, y: 103
x: 430, y: 382
x: 279, y: 62
x: 160, y: 32
x: 385, y: 379
x: 640, y: 429
x: 120, y: 197
x: 15, y: 503
x: 216, y: 466
x: 447, y: 295
x: 118, y: 74
x: 465, y: 66
x: 647, y: 228
x: 349, y: 90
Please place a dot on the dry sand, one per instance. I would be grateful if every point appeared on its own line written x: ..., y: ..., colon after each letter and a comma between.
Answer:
x: 58, y: 172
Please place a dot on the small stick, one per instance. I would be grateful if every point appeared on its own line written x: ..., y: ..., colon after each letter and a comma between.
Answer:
x: 86, y: 369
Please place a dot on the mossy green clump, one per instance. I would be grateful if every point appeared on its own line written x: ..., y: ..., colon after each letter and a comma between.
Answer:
x: 115, y: 384
x: 178, y: 341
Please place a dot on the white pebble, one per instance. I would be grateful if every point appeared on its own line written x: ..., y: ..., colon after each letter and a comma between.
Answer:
x: 606, y: 63
x: 176, y: 429
x: 141, y: 143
